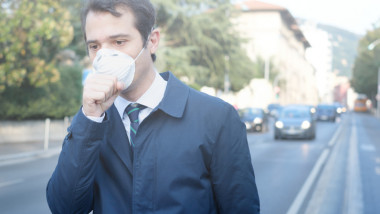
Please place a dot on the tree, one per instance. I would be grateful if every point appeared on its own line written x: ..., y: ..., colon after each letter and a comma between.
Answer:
x: 199, y: 43
x: 53, y: 100
x: 33, y: 82
x: 32, y: 33
x: 77, y: 44
x: 365, y: 71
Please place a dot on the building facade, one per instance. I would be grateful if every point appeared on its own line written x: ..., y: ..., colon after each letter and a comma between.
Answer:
x: 273, y: 34
x: 320, y: 56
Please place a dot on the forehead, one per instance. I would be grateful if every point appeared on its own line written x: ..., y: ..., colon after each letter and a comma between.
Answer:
x: 104, y: 24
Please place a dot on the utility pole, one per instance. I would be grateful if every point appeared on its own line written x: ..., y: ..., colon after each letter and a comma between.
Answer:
x: 226, y: 74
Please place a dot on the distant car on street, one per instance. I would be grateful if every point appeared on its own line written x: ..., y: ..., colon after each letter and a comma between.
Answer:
x: 295, y: 122
x: 312, y: 109
x: 274, y: 109
x: 340, y: 109
x: 326, y: 112
x: 254, y: 119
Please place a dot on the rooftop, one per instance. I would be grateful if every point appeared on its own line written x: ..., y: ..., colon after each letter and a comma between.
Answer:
x: 258, y: 6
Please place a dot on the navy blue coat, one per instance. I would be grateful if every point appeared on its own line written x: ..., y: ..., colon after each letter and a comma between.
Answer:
x: 191, y: 156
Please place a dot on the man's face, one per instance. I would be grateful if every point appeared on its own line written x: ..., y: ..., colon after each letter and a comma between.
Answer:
x: 103, y: 30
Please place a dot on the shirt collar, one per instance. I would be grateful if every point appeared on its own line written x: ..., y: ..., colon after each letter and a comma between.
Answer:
x: 151, y: 98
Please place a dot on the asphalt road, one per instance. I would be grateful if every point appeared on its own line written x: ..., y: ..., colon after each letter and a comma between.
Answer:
x: 22, y: 185
x: 338, y: 172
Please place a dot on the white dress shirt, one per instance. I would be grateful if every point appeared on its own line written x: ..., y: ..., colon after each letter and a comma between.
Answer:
x: 151, y: 98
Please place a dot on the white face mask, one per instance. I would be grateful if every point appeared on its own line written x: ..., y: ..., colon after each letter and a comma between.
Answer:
x: 115, y: 63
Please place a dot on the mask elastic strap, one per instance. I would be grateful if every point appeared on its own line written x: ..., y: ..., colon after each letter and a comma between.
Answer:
x: 144, y: 45
x: 139, y: 54
x: 147, y: 39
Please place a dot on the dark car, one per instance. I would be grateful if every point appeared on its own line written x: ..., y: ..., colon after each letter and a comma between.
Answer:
x: 326, y: 112
x: 274, y: 109
x: 340, y: 109
x: 254, y: 119
x: 295, y: 122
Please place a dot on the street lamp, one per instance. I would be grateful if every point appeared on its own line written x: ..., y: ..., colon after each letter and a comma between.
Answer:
x: 371, y: 47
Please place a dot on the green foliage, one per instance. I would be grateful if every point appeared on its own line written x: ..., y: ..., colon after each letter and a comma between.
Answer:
x: 32, y: 33
x: 32, y: 84
x: 367, y: 63
x: 54, y: 100
x: 77, y: 44
x: 200, y: 43
x: 259, y: 69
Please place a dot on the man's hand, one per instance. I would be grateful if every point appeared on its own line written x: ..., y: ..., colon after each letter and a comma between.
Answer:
x: 99, y: 93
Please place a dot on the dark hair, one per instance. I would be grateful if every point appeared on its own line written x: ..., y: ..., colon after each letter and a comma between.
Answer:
x: 143, y: 11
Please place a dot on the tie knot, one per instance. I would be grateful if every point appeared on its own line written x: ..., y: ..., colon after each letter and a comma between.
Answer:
x: 133, y: 111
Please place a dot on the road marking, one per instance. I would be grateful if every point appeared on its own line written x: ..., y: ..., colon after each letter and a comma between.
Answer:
x: 297, y: 203
x: 27, y: 157
x: 368, y: 147
x: 9, y: 183
x: 335, y: 137
x: 302, y: 194
x: 377, y: 170
x: 354, y: 195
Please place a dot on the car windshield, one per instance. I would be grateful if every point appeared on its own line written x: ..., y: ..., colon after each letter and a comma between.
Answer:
x: 250, y: 112
x: 273, y: 106
x: 294, y: 113
x: 326, y: 107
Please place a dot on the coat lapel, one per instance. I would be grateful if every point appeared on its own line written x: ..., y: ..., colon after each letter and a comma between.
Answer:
x: 117, y: 138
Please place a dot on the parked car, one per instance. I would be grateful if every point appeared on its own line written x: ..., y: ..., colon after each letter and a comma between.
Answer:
x: 326, y: 112
x: 254, y: 119
x: 295, y: 122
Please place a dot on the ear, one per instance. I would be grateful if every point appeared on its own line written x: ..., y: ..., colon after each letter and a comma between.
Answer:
x: 154, y: 40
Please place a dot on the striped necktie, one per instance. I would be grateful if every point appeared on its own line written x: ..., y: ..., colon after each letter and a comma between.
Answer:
x: 133, y: 111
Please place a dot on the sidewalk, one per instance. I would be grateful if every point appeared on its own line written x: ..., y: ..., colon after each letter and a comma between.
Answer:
x: 15, y: 151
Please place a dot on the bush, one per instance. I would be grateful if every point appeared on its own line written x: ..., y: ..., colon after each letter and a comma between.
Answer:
x: 54, y: 100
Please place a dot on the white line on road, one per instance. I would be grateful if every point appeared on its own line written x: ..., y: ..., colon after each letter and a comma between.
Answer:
x: 335, y: 137
x: 27, y: 157
x: 297, y: 203
x: 302, y: 194
x: 354, y: 195
x: 9, y: 183
x: 368, y: 147
x: 377, y: 160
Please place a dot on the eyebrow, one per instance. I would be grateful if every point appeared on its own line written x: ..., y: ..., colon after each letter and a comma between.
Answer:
x: 110, y: 37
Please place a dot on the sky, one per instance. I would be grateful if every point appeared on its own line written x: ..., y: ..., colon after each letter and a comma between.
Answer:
x: 356, y: 16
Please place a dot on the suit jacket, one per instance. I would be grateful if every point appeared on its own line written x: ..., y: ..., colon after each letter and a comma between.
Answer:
x: 190, y: 156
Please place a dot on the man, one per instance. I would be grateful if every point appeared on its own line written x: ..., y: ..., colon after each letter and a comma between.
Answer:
x: 188, y: 152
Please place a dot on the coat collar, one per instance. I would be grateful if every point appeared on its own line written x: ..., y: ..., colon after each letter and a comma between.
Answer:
x: 175, y: 97
x: 173, y: 104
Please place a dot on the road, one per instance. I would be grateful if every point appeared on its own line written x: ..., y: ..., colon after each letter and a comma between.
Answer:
x: 338, y: 172
x: 22, y: 185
